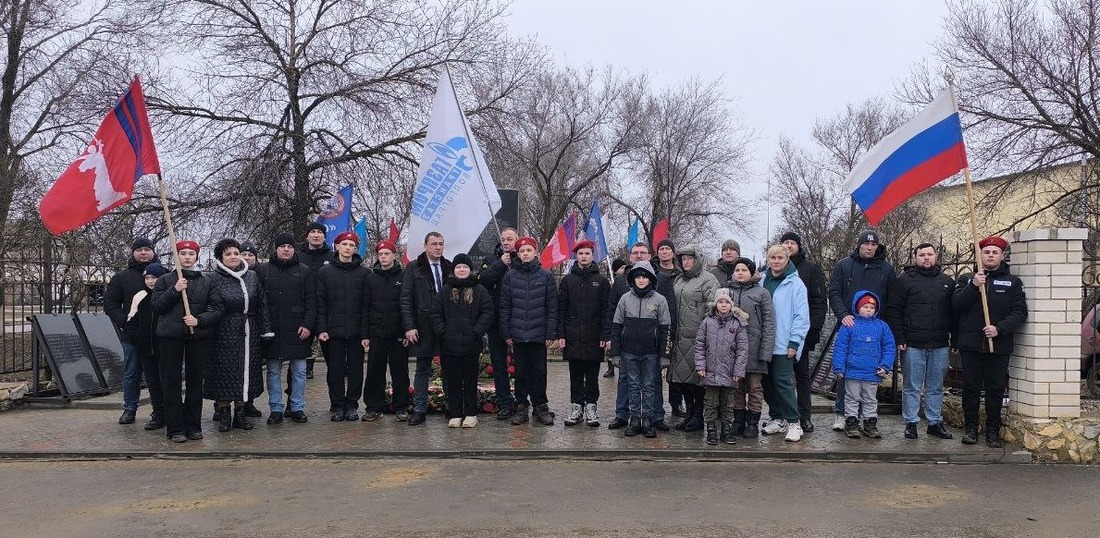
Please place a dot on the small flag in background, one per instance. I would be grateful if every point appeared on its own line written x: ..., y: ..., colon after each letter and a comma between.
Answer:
x: 632, y: 234
x: 103, y: 176
x: 560, y: 247
x: 395, y: 236
x: 336, y: 216
x: 593, y: 231
x: 923, y: 152
x: 660, y: 233
x: 361, y: 231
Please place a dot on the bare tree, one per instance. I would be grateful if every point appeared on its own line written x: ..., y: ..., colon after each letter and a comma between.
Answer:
x: 1028, y: 80
x: 810, y: 185
x: 291, y: 97
x: 64, y: 62
x: 559, y: 136
x: 690, y: 165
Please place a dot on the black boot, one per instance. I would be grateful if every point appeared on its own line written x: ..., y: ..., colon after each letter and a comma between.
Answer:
x: 520, y: 416
x: 752, y: 425
x: 727, y: 434
x: 610, y: 370
x: 870, y: 428
x: 633, y: 427
x: 970, y: 434
x: 224, y: 423
x: 251, y: 411
x: 695, y: 421
x: 851, y: 427
x: 993, y: 436
x: 712, y: 433
x: 647, y: 428
x: 688, y: 413
x: 737, y: 427
x: 240, y: 419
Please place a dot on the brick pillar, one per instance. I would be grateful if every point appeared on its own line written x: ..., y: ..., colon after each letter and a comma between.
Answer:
x: 1045, y: 369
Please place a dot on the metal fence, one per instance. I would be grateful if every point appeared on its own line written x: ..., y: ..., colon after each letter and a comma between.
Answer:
x: 38, y: 280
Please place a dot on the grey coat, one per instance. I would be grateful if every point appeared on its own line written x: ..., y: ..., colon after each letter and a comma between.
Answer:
x: 722, y: 348
x: 757, y: 303
x: 694, y: 292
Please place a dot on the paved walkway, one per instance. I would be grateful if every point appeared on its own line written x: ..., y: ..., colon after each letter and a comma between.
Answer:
x: 89, y: 429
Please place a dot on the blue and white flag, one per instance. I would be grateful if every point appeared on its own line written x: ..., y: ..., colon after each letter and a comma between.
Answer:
x: 454, y: 193
x: 632, y: 234
x: 336, y: 216
x: 361, y: 231
x: 593, y: 231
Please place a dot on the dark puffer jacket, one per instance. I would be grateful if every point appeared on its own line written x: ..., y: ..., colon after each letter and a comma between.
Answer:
x: 461, y: 326
x: 754, y: 300
x: 492, y: 274
x: 291, y: 291
x: 382, y: 301
x: 234, y: 369
x: 417, y: 294
x: 120, y: 291
x: 528, y: 303
x: 919, y: 312
x: 315, y: 258
x: 140, y: 330
x: 340, y: 298
x: 168, y: 304
x: 582, y: 320
x: 1007, y: 311
x: 855, y: 273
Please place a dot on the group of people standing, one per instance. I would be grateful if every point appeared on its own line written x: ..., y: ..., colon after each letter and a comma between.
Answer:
x: 727, y: 339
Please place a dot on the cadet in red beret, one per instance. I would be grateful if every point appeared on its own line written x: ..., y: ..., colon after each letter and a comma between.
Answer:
x: 986, y: 346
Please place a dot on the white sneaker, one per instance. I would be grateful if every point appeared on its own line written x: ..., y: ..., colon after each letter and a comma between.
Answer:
x: 778, y: 425
x: 590, y: 416
x: 794, y: 432
x: 576, y: 414
x: 454, y: 423
x: 469, y: 422
x: 838, y: 424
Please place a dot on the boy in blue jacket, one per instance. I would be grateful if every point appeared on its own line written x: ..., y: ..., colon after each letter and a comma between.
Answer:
x: 863, y: 356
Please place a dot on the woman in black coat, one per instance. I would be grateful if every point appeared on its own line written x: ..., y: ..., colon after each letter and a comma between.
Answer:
x: 234, y: 370
x: 583, y: 333
x: 461, y: 316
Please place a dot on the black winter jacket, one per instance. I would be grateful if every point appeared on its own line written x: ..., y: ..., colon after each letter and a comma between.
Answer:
x: 340, y: 298
x: 1007, y: 311
x: 664, y: 287
x: 234, y: 369
x: 919, y: 312
x: 315, y: 258
x: 528, y: 303
x: 492, y: 274
x: 853, y: 274
x: 382, y: 303
x: 291, y: 290
x: 417, y: 293
x: 120, y: 290
x: 461, y: 327
x: 140, y: 330
x: 169, y: 307
x: 582, y: 319
x: 816, y: 292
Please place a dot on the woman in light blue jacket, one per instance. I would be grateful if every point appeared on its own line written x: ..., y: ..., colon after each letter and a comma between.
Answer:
x: 792, y: 322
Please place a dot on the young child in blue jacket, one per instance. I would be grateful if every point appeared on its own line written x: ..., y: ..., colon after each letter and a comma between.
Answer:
x: 863, y: 356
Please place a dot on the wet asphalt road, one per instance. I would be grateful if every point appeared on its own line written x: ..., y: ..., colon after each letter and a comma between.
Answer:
x: 533, y: 498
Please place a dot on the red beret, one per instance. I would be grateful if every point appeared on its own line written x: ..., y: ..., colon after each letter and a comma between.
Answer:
x: 346, y: 236
x: 187, y: 245
x: 527, y: 240
x: 994, y: 241
x: 584, y: 244
x: 385, y: 244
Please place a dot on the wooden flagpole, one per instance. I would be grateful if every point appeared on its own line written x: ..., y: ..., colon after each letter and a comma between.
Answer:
x: 172, y: 240
x: 973, y: 224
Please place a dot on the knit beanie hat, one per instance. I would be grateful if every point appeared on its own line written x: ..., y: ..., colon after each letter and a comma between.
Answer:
x: 792, y: 237
x: 666, y: 243
x: 730, y: 243
x: 463, y: 259
x: 247, y: 246
x: 867, y: 299
x: 283, y: 239
x: 868, y: 236
x: 316, y: 226
x: 155, y: 269
x: 615, y: 265
x: 141, y: 242
x: 722, y: 294
x: 747, y: 262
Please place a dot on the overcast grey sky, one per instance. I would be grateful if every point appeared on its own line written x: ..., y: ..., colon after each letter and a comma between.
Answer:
x: 785, y: 63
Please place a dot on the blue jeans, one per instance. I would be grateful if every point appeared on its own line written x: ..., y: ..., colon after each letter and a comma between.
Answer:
x: 622, y: 393
x: 297, y: 385
x: 927, y: 368
x: 641, y: 373
x: 420, y: 384
x: 131, y: 377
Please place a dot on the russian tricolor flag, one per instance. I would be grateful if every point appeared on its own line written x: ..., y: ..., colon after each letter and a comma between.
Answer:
x: 923, y: 152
